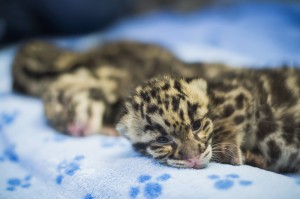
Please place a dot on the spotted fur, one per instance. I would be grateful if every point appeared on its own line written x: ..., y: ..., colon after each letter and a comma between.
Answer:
x: 181, y: 114
x: 176, y: 111
x: 84, y: 92
x: 246, y: 118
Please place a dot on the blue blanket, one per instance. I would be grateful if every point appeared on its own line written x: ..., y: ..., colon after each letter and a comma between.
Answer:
x: 38, y: 162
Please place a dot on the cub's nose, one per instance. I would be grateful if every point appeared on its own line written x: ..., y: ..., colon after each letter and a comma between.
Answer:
x: 194, y: 159
x: 192, y: 162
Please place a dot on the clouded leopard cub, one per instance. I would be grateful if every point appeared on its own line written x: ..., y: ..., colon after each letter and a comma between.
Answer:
x: 182, y: 114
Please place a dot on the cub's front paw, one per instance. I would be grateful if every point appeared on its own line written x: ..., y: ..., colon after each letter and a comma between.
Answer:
x: 228, y: 153
x: 238, y: 158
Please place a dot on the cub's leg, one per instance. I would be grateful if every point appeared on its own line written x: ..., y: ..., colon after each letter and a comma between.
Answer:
x: 255, y: 160
x: 226, y: 144
x: 82, y: 104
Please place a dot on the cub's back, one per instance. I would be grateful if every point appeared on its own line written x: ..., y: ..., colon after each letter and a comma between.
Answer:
x: 278, y: 118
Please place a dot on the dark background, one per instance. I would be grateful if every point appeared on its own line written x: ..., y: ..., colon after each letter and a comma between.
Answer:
x: 23, y: 19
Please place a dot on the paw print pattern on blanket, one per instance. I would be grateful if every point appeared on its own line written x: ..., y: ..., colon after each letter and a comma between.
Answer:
x: 88, y: 196
x: 13, y: 183
x: 68, y: 168
x: 9, y: 154
x: 228, y: 181
x: 150, y: 189
x: 7, y: 118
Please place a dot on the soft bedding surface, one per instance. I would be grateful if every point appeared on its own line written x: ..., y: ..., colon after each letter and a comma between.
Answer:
x: 38, y: 162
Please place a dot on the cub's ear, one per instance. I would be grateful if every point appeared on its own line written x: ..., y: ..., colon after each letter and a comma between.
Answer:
x: 198, y: 83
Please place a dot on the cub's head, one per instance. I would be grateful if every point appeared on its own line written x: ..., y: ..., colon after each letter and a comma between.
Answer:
x: 166, y: 119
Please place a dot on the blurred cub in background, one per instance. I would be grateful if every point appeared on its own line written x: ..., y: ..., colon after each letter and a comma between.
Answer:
x: 181, y: 114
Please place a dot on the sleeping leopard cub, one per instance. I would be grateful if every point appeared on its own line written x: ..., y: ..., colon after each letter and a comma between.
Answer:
x: 182, y: 114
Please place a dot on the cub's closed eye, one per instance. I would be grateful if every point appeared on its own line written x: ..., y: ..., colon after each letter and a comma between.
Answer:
x: 196, y: 125
x: 163, y: 139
